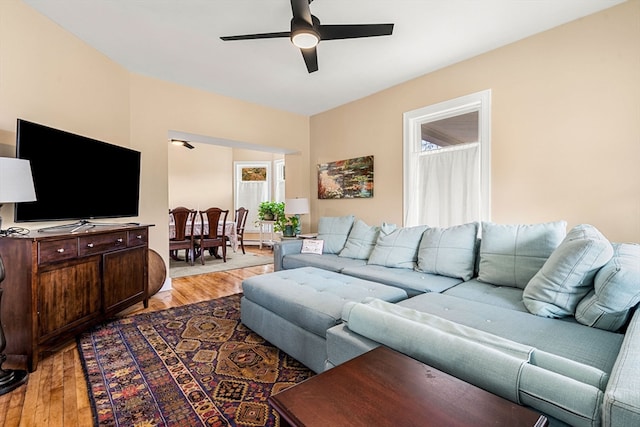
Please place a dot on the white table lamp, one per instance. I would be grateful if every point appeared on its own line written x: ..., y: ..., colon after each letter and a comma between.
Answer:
x: 16, y: 182
x: 296, y: 207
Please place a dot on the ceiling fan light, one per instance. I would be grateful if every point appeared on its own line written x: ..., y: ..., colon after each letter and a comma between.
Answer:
x: 305, y: 39
x: 180, y: 142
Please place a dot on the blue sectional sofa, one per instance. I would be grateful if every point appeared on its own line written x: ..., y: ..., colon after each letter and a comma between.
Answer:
x: 534, y: 313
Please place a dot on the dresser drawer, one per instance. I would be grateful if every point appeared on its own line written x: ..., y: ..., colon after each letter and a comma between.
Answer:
x: 99, y: 243
x: 137, y: 237
x: 57, y: 250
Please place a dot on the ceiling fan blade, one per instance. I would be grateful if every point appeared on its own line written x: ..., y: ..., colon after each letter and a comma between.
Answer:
x: 301, y: 10
x: 353, y: 31
x: 257, y: 36
x: 310, y: 58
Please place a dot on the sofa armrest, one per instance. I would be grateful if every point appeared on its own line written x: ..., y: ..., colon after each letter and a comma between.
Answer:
x: 622, y: 397
x: 285, y: 247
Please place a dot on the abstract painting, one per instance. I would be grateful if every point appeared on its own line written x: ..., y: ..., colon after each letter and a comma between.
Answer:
x: 346, y: 179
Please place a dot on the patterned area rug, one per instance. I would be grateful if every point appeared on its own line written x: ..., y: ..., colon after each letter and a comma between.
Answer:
x: 194, y: 365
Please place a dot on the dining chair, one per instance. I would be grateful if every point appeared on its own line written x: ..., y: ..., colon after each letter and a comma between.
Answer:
x: 241, y: 219
x: 214, y: 237
x: 183, y: 220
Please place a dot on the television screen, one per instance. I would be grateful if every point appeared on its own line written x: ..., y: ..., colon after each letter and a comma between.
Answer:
x: 75, y: 177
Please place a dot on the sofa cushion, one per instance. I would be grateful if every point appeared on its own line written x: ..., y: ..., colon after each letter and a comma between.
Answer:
x: 567, y: 276
x: 564, y: 338
x: 398, y: 248
x: 449, y: 251
x: 487, y: 293
x: 486, y: 360
x: 334, y: 231
x: 616, y: 290
x: 362, y: 238
x: 412, y: 281
x: 312, y: 298
x: 510, y: 255
x: 329, y: 262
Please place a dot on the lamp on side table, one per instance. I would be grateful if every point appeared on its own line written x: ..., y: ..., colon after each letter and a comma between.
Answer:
x: 16, y: 185
x: 296, y: 207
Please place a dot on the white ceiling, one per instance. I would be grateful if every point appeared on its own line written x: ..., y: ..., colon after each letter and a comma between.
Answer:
x: 179, y: 41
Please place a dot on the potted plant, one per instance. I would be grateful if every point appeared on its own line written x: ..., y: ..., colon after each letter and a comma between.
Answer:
x: 288, y: 225
x: 270, y: 211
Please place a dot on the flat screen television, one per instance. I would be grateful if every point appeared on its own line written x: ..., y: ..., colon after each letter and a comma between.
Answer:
x: 75, y: 177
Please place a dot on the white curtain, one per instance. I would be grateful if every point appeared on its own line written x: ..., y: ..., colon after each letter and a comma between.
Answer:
x: 279, y: 190
x: 447, y: 187
x: 250, y: 194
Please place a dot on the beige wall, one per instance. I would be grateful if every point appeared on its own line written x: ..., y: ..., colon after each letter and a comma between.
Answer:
x: 565, y: 128
x: 50, y: 77
x: 201, y: 178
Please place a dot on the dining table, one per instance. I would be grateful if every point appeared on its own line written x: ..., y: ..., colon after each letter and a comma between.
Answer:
x: 199, y: 227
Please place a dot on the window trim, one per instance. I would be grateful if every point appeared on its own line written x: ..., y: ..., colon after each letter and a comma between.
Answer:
x: 412, y: 136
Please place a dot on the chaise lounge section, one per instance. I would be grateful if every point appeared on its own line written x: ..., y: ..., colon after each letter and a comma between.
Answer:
x: 532, y: 313
x: 293, y: 309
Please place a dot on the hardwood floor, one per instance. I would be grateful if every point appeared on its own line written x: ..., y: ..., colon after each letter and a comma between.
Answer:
x: 56, y: 393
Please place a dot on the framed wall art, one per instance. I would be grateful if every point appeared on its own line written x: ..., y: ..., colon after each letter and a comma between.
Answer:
x: 346, y: 179
x: 254, y: 174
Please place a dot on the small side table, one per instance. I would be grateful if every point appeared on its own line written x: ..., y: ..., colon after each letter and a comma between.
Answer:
x: 266, y: 227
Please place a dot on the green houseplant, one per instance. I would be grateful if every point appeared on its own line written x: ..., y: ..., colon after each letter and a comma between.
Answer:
x: 270, y: 211
x: 288, y: 225
x: 274, y: 211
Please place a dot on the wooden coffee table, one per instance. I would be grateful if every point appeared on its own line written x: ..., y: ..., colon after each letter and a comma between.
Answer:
x: 386, y: 388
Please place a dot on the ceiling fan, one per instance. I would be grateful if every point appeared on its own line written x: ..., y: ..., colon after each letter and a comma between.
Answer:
x: 307, y: 31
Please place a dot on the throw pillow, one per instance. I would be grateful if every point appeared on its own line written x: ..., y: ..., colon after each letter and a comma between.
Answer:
x: 567, y: 276
x: 616, y: 290
x: 312, y: 246
x: 510, y: 255
x: 362, y: 238
x: 398, y: 248
x: 334, y: 231
x: 449, y: 251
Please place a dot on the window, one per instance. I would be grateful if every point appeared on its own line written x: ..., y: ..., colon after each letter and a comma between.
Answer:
x: 447, y: 160
x: 279, y: 184
x: 252, y: 186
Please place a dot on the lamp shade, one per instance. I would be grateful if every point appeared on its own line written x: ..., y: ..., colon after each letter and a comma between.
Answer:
x: 296, y: 206
x: 16, y: 182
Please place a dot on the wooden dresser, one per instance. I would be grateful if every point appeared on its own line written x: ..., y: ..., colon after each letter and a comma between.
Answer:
x: 59, y: 284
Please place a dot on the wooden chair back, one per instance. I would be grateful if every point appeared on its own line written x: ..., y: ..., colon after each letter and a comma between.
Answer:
x: 212, y: 238
x: 182, y: 218
x: 183, y: 222
x: 241, y: 220
x: 213, y: 216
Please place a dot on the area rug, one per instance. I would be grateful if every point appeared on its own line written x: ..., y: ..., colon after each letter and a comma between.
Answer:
x: 234, y: 260
x: 194, y: 365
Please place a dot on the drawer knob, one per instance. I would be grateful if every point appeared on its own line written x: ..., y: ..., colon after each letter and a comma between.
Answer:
x: 139, y: 237
x: 90, y: 245
x: 119, y: 240
x: 61, y: 250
